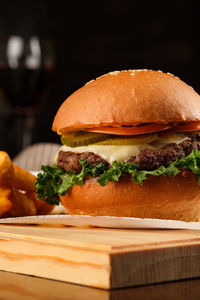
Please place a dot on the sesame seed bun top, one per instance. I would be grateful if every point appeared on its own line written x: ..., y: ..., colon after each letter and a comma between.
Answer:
x: 128, y: 98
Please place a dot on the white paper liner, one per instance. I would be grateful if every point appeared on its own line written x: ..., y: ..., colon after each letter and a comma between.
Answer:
x: 103, y: 221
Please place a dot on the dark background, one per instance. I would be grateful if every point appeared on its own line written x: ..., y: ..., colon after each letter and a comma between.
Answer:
x: 91, y: 38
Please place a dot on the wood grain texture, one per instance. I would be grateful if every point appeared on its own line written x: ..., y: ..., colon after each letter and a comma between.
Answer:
x: 104, y: 258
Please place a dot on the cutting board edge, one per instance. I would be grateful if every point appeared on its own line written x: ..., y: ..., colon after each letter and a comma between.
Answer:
x: 179, y: 258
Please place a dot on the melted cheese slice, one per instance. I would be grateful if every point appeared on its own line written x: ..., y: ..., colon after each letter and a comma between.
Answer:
x: 119, y: 153
x: 109, y: 153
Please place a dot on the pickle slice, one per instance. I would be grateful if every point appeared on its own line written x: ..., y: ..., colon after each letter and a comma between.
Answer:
x: 132, y: 140
x: 81, y: 138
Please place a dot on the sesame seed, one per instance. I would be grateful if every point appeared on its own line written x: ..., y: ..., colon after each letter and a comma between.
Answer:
x: 110, y: 73
x: 141, y: 70
x: 114, y: 73
x: 89, y: 81
x: 172, y: 75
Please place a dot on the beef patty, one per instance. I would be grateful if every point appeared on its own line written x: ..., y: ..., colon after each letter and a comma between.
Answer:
x: 70, y: 160
x: 146, y: 159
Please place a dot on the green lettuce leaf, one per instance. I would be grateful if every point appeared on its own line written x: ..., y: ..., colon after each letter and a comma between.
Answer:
x: 54, y: 181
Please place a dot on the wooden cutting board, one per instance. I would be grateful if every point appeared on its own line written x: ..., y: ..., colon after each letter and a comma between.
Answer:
x: 103, y: 258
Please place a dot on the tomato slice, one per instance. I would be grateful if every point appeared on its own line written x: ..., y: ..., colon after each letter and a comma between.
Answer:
x: 187, y: 126
x: 134, y: 130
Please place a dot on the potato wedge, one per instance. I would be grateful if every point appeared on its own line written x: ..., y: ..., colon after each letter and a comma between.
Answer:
x: 23, y: 180
x: 22, y: 204
x: 43, y: 208
x: 17, y: 191
x: 6, y: 169
x: 5, y: 203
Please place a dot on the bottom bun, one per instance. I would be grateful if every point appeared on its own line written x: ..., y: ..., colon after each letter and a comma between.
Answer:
x: 162, y: 197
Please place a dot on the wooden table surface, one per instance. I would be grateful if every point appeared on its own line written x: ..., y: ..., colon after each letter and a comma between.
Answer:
x: 15, y: 286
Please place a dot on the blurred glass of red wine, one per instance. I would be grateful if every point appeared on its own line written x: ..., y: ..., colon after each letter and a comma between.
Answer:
x: 26, y: 66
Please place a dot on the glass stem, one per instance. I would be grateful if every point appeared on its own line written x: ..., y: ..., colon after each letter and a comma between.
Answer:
x: 28, y: 131
x: 23, y: 130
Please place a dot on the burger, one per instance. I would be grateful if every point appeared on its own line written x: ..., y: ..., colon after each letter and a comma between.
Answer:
x: 131, y: 148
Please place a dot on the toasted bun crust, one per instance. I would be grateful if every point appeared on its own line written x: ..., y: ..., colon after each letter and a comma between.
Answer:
x: 128, y: 98
x: 161, y: 197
